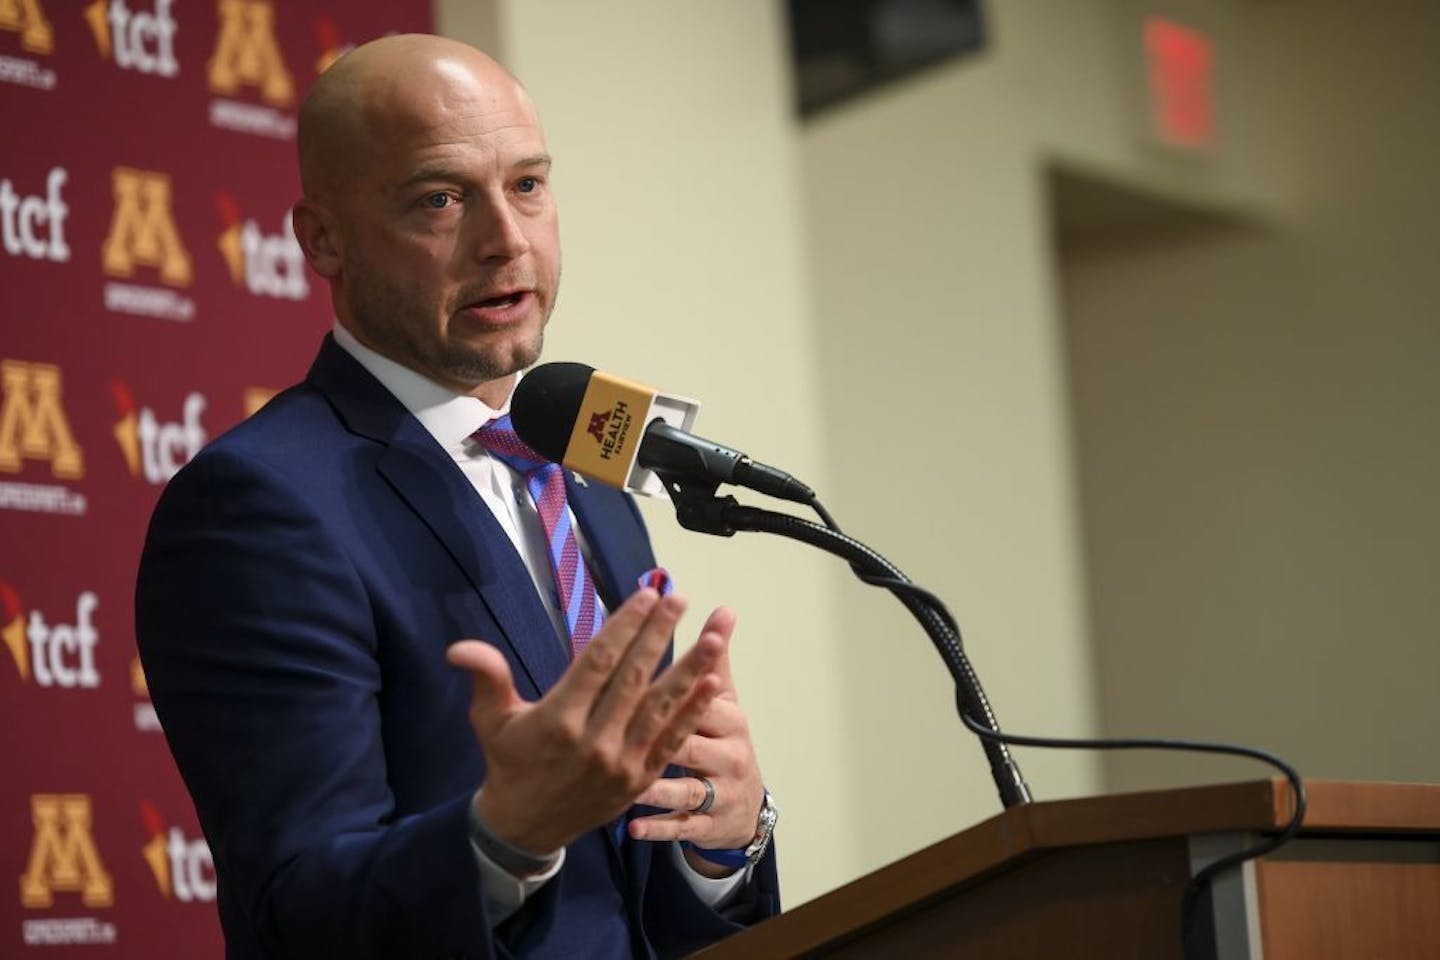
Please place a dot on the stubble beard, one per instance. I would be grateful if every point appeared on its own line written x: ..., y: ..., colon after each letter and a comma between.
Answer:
x: 389, y: 320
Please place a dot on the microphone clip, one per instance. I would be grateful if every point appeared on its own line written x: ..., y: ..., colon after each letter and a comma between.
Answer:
x: 696, y: 505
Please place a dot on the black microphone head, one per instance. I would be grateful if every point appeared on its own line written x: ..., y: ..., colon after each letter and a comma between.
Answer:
x: 546, y: 404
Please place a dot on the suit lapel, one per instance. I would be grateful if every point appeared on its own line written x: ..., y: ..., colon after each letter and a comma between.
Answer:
x: 433, y: 486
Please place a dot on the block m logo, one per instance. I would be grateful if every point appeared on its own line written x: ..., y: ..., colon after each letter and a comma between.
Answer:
x: 26, y: 18
x: 247, y: 54
x: 142, y: 229
x: 32, y: 420
x: 63, y: 858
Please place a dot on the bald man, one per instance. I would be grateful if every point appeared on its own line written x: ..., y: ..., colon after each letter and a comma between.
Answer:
x: 371, y: 783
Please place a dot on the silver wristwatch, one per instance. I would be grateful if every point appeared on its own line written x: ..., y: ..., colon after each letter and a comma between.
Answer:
x: 764, y: 829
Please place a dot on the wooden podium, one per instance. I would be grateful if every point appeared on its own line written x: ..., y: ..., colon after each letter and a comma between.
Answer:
x: 1102, y: 877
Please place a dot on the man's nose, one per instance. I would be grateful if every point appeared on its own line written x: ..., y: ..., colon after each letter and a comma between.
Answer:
x: 501, y: 232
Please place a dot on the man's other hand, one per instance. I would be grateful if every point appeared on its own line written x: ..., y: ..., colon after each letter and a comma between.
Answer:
x: 722, y: 752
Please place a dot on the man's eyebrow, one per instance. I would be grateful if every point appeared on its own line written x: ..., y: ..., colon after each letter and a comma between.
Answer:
x: 540, y: 161
x: 423, y: 174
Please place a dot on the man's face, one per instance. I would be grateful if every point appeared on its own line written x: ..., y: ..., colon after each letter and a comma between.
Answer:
x: 450, y: 248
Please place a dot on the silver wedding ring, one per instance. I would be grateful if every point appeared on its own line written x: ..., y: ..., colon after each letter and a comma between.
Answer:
x: 709, y: 801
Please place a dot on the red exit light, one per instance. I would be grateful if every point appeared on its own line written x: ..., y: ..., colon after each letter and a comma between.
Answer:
x: 1182, y: 83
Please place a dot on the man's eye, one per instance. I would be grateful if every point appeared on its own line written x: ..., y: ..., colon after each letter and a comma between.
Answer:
x: 438, y: 201
x: 527, y: 185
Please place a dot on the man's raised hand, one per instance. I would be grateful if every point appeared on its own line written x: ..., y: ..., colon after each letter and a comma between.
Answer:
x: 578, y: 757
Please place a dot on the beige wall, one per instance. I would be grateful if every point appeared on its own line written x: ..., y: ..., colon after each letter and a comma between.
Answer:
x: 1252, y: 403
x: 942, y: 363
x: 1257, y: 418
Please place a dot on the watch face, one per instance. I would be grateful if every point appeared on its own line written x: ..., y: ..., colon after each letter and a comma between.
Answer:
x: 764, y: 827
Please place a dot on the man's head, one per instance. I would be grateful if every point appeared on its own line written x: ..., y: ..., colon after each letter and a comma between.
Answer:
x: 427, y: 206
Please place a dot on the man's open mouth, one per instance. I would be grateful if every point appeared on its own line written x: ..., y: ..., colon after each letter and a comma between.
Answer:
x: 503, y: 309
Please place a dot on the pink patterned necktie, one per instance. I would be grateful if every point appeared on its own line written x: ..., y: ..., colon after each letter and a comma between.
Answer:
x: 546, y: 483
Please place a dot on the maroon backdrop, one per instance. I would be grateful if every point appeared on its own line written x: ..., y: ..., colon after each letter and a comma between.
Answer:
x: 150, y: 297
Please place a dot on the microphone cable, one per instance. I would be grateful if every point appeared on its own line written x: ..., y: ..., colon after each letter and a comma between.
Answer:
x: 874, y: 570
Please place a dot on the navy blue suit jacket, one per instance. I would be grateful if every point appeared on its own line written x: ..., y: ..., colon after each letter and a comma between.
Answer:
x: 300, y: 583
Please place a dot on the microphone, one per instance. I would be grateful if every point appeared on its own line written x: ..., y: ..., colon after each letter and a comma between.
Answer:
x: 630, y: 436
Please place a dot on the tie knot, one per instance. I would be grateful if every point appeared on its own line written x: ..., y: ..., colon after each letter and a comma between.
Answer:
x: 499, y: 438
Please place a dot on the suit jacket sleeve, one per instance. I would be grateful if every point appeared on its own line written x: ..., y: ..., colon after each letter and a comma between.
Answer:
x: 258, y: 643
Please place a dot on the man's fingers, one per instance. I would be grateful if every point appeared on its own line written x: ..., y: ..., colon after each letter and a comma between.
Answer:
x: 725, y: 718
x: 672, y: 826
x: 673, y: 691
x: 635, y: 672
x: 495, y: 697
x: 591, y: 671
x: 672, y: 688
x: 670, y: 738
x: 701, y: 752
x: 681, y: 794
x: 721, y: 623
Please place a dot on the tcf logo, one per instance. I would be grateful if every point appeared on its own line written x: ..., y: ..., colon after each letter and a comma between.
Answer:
x: 268, y: 264
x: 27, y: 18
x: 34, y: 226
x: 53, y: 654
x: 63, y: 856
x: 183, y: 867
x: 154, y: 448
x: 247, y: 54
x: 144, y: 42
x: 32, y: 420
x: 332, y: 47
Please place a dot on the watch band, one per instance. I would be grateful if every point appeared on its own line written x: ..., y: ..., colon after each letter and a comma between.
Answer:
x: 764, y: 829
x: 506, y: 856
x: 738, y: 857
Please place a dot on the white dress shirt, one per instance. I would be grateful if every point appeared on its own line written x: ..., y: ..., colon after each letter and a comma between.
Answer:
x: 451, y: 419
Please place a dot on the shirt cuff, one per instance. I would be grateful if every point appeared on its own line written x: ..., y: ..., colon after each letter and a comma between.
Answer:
x: 503, y: 891
x: 716, y: 894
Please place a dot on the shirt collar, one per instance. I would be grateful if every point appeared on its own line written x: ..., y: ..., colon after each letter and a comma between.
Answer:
x: 449, y: 417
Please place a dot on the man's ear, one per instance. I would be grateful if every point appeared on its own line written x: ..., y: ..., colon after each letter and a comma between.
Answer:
x: 319, y: 240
